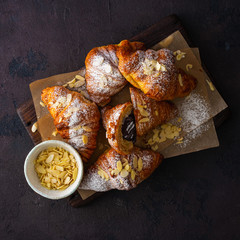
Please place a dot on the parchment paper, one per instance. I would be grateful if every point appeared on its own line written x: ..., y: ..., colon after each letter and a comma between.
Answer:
x: 212, y: 99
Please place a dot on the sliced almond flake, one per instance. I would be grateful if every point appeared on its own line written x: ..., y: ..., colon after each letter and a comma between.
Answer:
x: 133, y: 175
x: 142, y: 111
x: 40, y: 169
x: 34, y: 127
x: 140, y: 164
x: 135, y: 162
x: 180, y: 80
x: 60, y: 168
x: 119, y: 166
x: 124, y: 173
x: 72, y: 81
x: 42, y: 104
x: 79, y: 77
x: 78, y: 127
x: 127, y: 167
x: 54, y: 133
x: 79, y: 83
x: 85, y: 139
x: 75, y: 172
x: 210, y: 84
x: 67, y: 180
x: 143, y: 120
x: 189, y: 66
x: 50, y: 158
x: 105, y: 176
x: 86, y: 128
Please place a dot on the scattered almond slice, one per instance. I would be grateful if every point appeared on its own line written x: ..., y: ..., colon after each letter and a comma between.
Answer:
x: 42, y: 104
x: 124, y: 173
x: 79, y: 77
x: 127, y: 167
x: 86, y: 128
x: 142, y: 111
x: 210, y: 84
x: 135, y: 162
x: 180, y: 80
x: 85, y: 139
x: 189, y: 66
x: 179, y: 54
x: 54, y: 133
x: 140, y: 164
x: 133, y: 175
x: 119, y: 166
x: 34, y: 127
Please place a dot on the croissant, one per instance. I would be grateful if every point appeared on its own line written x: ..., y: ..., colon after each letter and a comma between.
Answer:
x: 154, y: 72
x: 103, y: 77
x: 150, y: 113
x: 123, y: 172
x: 76, y: 118
x: 120, y: 127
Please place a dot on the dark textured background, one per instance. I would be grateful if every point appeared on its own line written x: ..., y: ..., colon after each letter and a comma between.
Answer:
x: 196, y: 196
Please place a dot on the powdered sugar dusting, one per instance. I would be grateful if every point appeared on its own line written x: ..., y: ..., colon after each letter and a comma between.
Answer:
x: 194, y: 111
x: 191, y: 136
x: 102, y: 75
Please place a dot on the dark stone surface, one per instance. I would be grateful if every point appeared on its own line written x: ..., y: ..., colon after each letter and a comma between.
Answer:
x: 195, y: 196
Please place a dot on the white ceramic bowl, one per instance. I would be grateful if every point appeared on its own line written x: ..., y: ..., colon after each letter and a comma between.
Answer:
x: 33, y: 179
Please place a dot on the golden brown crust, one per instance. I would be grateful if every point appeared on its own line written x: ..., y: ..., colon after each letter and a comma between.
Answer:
x: 112, y: 121
x: 76, y: 118
x: 154, y: 112
x: 103, y: 77
x: 108, y: 162
x: 154, y: 72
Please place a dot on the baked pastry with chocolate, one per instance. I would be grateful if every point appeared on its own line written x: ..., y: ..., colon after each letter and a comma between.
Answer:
x: 154, y: 72
x: 123, y: 172
x: 150, y: 113
x: 120, y: 127
x: 103, y: 77
x: 76, y: 118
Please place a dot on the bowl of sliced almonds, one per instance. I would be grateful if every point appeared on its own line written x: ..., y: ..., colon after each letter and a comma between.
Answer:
x: 53, y: 169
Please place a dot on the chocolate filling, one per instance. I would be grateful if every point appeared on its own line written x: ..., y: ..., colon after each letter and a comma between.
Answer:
x: 129, y: 128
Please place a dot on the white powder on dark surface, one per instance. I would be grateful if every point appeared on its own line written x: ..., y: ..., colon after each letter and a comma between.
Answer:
x: 193, y: 135
x: 194, y: 111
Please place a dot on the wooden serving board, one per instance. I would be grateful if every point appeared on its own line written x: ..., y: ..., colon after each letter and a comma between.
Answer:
x: 150, y: 37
